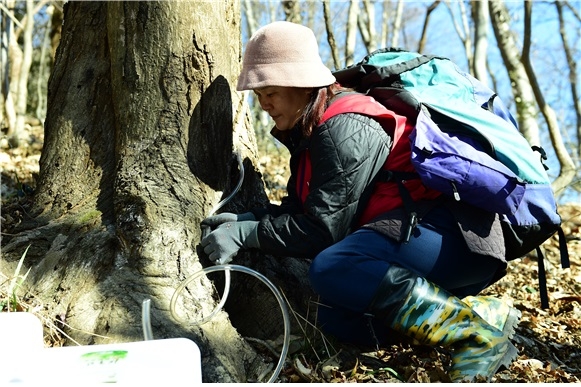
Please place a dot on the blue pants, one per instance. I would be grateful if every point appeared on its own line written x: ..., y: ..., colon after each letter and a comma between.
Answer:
x: 347, y: 274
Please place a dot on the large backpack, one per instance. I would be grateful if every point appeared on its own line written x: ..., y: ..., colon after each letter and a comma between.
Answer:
x: 465, y: 144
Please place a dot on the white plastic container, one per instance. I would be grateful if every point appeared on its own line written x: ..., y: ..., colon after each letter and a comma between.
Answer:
x: 24, y: 360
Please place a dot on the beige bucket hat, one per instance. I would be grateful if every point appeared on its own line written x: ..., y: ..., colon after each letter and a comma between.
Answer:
x: 283, y: 54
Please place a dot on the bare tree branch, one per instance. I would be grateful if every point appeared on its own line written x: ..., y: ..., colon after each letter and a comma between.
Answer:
x: 10, y: 14
x: 431, y: 8
x: 462, y: 30
x: 330, y: 34
x: 573, y: 9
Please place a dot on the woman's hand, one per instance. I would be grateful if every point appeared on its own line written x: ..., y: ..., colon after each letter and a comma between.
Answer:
x: 228, y: 238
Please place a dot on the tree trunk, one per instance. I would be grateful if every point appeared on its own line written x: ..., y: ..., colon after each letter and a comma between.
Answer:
x: 22, y: 80
x: 424, y: 35
x: 462, y: 29
x: 526, y: 91
x: 56, y: 23
x: 523, y: 94
x: 567, y: 172
x: 11, y: 56
x: 351, y: 32
x: 573, y: 77
x: 366, y: 26
x: 330, y: 34
x: 396, y: 24
x: 481, y: 20
x: 292, y: 11
x: 139, y: 143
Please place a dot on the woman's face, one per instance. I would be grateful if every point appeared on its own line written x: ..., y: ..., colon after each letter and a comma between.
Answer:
x: 284, y: 104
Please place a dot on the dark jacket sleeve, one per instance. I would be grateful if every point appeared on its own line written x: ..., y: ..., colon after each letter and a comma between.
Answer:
x: 346, y: 153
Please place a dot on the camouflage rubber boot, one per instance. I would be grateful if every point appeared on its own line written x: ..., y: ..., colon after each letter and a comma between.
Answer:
x: 496, y: 312
x: 432, y: 316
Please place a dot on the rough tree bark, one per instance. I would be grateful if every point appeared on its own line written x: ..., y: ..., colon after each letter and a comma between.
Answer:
x: 138, y: 148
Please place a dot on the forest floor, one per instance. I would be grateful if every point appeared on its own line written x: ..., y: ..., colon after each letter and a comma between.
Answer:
x: 548, y: 340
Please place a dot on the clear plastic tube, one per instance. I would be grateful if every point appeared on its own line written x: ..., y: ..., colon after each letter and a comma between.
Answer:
x: 235, y: 190
x: 226, y: 274
x: 145, y: 320
x: 227, y: 269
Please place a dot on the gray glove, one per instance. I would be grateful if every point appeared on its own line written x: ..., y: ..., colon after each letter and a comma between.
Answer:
x: 216, y: 220
x: 228, y: 238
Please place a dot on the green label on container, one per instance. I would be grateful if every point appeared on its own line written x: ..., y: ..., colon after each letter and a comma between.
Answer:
x: 104, y: 356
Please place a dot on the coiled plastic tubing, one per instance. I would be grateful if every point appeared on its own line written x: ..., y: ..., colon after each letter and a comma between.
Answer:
x: 227, y: 269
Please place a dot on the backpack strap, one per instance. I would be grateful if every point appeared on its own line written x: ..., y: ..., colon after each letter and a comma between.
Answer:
x: 565, y: 264
x: 542, y: 279
x: 408, y: 203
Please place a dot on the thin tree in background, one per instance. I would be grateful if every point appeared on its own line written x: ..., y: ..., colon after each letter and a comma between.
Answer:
x: 481, y: 20
x: 525, y: 88
x: 16, y: 69
x: 523, y: 94
x: 396, y: 24
x: 424, y: 34
x: 567, y: 172
x: 8, y: 61
x: 330, y: 34
x: 292, y: 11
x: 462, y: 29
x: 366, y: 25
x: 22, y: 79
x: 573, y: 77
x: 351, y: 32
